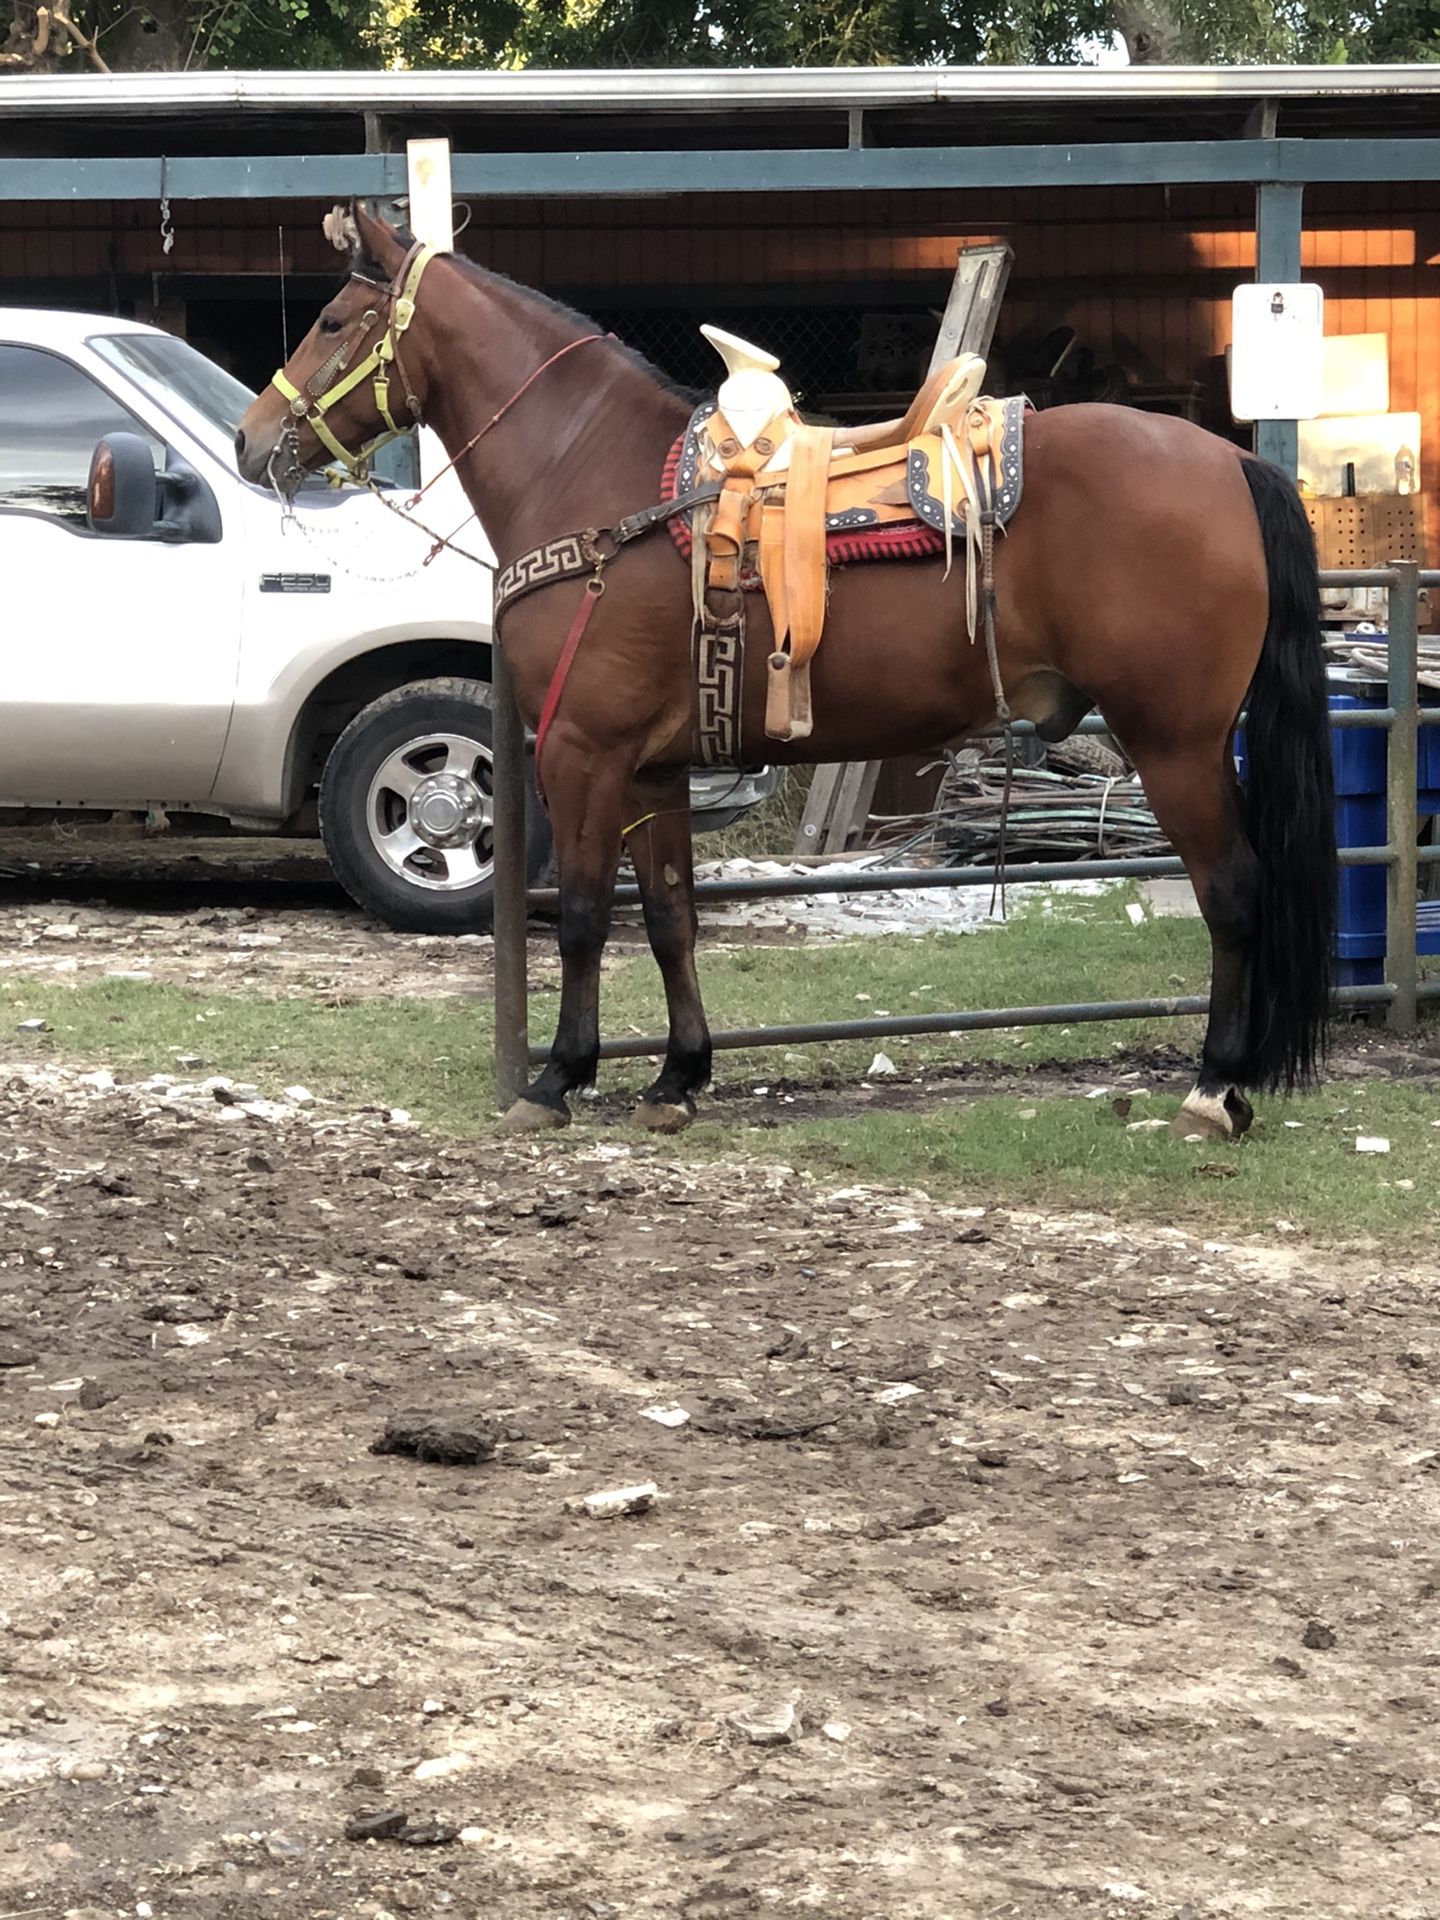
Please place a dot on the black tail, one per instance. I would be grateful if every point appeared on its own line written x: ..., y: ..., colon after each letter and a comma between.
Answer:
x: 1290, y: 801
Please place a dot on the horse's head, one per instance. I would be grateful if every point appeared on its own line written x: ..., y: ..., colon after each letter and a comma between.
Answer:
x: 348, y: 387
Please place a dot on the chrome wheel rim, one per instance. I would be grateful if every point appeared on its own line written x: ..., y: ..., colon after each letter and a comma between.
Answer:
x: 431, y: 812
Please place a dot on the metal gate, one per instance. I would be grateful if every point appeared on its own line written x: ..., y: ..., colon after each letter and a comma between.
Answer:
x: 1399, y: 992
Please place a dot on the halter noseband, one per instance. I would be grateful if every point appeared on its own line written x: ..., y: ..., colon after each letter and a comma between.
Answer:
x: 312, y: 402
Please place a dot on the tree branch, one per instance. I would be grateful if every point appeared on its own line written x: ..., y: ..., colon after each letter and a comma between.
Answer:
x: 62, y: 19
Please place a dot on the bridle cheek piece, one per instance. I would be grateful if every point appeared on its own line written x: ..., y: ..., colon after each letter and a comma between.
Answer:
x: 312, y: 402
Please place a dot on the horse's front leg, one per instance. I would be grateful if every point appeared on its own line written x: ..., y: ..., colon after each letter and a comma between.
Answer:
x: 585, y: 789
x: 659, y: 841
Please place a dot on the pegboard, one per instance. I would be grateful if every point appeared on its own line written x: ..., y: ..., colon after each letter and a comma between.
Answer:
x: 1368, y: 530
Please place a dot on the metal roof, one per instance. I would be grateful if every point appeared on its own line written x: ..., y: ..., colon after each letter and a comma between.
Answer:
x: 707, y: 90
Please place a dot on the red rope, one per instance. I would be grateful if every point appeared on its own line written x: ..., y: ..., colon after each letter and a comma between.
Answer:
x: 589, y: 600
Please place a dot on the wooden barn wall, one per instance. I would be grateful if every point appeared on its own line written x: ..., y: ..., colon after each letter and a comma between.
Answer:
x: 1144, y: 276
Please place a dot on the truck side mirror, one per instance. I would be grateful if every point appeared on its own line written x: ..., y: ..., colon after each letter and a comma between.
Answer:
x: 121, y: 496
x: 129, y: 500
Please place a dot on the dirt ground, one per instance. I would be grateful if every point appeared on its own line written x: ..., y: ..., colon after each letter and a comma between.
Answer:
x: 1002, y: 1563
x: 217, y: 915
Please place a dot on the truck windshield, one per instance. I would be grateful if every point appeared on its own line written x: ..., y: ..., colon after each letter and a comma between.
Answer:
x: 204, y: 398
x: 171, y: 372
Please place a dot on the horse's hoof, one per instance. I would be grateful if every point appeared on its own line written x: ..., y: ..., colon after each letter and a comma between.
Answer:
x: 1242, y: 1114
x: 1207, y: 1115
x: 528, y: 1116
x: 664, y: 1116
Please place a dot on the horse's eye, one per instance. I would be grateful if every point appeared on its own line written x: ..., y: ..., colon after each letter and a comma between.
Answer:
x: 329, y: 325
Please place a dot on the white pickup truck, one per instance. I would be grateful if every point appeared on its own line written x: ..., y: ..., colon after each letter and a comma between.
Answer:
x: 301, y: 677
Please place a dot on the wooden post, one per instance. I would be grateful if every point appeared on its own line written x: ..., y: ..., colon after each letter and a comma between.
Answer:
x: 1278, y: 222
x: 512, y: 1005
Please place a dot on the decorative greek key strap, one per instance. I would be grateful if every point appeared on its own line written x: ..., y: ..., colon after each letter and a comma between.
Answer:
x: 719, y: 651
x: 572, y: 554
x: 561, y: 559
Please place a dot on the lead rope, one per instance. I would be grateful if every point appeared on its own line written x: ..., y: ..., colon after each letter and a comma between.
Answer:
x: 585, y: 340
x: 440, y: 542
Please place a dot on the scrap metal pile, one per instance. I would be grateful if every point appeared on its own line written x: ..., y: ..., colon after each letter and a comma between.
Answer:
x: 1367, y: 654
x: 1083, y: 802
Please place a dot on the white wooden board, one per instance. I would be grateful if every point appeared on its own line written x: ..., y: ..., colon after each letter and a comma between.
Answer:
x: 1372, y: 441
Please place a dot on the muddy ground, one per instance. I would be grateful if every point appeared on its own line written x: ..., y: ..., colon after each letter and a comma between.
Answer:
x: 1003, y: 1563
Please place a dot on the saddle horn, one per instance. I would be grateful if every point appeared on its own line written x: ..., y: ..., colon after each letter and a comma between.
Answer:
x: 754, y: 393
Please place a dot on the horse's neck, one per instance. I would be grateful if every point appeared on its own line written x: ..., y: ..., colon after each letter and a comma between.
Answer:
x: 583, y: 446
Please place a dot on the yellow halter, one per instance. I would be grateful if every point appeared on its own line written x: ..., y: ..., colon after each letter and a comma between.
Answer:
x: 312, y: 407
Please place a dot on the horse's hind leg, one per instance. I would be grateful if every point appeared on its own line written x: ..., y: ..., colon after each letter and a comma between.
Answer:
x: 660, y: 847
x: 585, y: 790
x: 1196, y: 799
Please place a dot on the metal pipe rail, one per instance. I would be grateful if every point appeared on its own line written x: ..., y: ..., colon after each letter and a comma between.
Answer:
x: 1400, y: 993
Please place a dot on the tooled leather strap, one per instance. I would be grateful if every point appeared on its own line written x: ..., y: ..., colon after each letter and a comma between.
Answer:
x: 573, y: 554
x: 804, y: 534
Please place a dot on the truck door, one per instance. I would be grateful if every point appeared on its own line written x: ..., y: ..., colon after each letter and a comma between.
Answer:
x: 117, y: 657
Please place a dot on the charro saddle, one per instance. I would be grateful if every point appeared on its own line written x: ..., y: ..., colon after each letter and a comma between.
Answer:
x: 951, y: 464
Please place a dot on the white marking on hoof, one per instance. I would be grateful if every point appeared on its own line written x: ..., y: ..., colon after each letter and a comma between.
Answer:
x: 657, y: 1117
x: 528, y: 1116
x: 1205, y: 1114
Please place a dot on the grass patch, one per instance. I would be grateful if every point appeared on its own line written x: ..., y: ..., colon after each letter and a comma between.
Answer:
x: 1062, y: 949
x: 433, y: 1057
x: 1077, y: 1152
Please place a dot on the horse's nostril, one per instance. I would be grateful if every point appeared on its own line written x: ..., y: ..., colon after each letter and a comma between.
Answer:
x: 240, y: 440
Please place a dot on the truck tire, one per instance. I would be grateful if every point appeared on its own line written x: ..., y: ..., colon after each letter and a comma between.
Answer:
x: 406, y: 812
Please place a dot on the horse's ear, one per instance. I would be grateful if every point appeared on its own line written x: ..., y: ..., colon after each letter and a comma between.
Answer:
x: 378, y: 238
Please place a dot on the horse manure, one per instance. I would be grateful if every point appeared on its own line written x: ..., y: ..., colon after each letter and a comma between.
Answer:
x: 179, y: 1309
x: 918, y: 1518
x: 561, y: 1211
x: 389, y: 1825
x: 439, y: 1439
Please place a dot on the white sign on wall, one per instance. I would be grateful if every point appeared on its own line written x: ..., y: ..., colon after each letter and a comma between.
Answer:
x: 427, y: 175
x: 1277, y: 368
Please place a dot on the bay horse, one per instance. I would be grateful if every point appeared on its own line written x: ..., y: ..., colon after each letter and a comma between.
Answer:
x: 1153, y: 571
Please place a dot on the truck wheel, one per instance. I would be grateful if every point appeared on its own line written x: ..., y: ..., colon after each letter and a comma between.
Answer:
x: 407, y: 813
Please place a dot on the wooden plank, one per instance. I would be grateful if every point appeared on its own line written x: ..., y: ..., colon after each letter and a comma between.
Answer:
x: 821, y: 798
x: 967, y: 325
x: 852, y: 805
x: 978, y: 287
